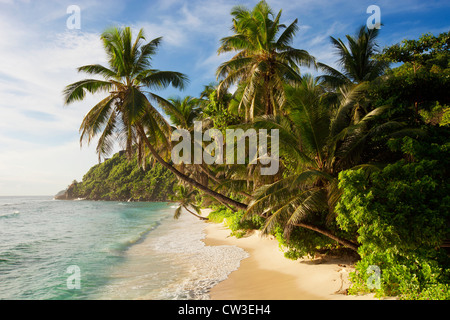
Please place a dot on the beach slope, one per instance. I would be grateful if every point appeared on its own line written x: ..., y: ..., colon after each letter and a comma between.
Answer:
x: 267, y: 275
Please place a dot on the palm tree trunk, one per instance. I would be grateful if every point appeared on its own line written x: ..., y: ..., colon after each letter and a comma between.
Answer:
x: 269, y: 107
x: 330, y: 235
x: 187, y: 179
x: 194, y: 214
x: 227, y: 205
x: 217, y: 180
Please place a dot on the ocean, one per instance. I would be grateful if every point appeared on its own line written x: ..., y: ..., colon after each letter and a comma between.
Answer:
x: 94, y: 250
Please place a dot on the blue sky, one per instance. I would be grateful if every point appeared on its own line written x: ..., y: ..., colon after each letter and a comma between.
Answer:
x: 40, y: 152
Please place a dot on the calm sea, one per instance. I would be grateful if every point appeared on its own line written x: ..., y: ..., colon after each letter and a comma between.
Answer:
x: 68, y: 250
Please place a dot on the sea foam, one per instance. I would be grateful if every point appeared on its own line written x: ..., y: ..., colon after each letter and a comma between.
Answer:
x: 208, y: 265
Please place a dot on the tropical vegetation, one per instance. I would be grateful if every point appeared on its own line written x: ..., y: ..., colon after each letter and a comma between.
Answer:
x: 363, y: 148
x: 121, y: 179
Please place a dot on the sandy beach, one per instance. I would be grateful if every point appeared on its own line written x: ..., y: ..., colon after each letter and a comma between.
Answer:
x: 267, y: 275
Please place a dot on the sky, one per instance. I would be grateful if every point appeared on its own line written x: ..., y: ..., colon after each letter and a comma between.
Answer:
x: 40, y: 153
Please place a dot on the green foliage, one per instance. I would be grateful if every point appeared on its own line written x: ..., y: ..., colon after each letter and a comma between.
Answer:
x: 445, y: 119
x: 216, y: 109
x: 121, y: 180
x: 220, y: 214
x: 401, y: 215
x: 439, y: 114
x: 301, y: 242
x: 422, y: 79
x: 419, y: 51
x: 235, y: 221
x: 403, y: 88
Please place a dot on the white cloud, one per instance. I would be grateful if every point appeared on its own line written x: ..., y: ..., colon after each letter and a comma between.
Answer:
x: 38, y: 136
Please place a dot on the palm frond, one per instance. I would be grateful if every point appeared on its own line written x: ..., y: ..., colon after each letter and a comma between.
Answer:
x: 177, y: 213
x: 286, y: 38
x: 77, y: 91
x: 96, y: 118
x: 162, y: 79
x: 98, y: 69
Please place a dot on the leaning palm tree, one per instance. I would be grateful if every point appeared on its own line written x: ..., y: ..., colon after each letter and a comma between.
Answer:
x: 264, y: 61
x: 128, y: 114
x: 186, y: 200
x: 117, y: 116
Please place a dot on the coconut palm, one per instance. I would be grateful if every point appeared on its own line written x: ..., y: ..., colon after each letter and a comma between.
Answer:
x: 356, y: 59
x: 128, y: 114
x: 264, y: 61
x: 186, y: 200
x: 318, y: 143
x: 358, y: 69
x: 183, y: 112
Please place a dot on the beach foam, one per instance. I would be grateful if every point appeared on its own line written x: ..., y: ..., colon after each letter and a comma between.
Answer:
x: 207, y: 265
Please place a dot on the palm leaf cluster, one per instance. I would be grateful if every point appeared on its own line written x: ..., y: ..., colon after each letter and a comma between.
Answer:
x: 319, y: 141
x: 127, y: 105
x: 356, y: 60
x: 264, y: 59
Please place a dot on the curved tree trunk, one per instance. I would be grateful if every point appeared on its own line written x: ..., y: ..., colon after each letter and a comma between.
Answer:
x: 217, y: 180
x: 330, y: 235
x: 187, y: 179
x: 194, y: 214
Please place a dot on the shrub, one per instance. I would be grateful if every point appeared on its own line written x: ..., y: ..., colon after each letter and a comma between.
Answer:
x: 401, y: 215
x: 235, y: 221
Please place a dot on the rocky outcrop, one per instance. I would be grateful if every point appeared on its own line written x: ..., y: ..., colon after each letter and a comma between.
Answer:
x: 62, y: 195
x: 67, y: 194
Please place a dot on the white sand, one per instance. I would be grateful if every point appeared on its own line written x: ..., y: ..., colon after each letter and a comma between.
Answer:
x: 268, y: 275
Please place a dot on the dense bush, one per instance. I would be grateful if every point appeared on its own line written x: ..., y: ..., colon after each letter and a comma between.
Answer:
x: 302, y: 242
x: 401, y: 215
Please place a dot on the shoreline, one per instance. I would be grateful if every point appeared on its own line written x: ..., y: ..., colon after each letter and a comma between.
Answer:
x: 267, y: 275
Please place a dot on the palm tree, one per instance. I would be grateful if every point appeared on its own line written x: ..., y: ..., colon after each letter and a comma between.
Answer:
x: 183, y: 112
x: 356, y: 60
x: 186, y: 199
x: 264, y: 62
x: 127, y: 113
x: 358, y: 69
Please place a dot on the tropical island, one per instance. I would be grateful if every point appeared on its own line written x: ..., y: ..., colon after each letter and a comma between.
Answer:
x: 364, y: 151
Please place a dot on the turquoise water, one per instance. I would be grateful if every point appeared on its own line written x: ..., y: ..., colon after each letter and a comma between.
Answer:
x: 120, y: 250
